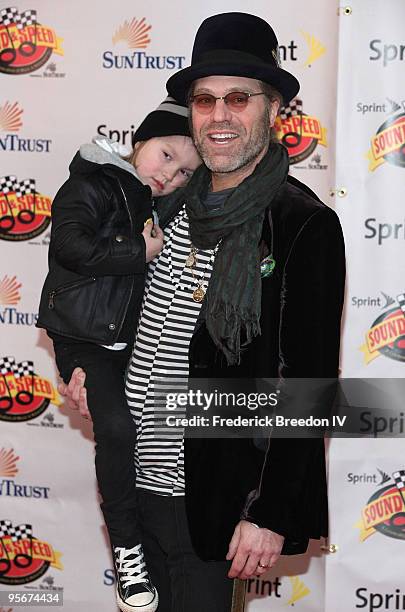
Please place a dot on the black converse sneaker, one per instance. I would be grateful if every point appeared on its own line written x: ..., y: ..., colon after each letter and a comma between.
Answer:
x: 135, y: 592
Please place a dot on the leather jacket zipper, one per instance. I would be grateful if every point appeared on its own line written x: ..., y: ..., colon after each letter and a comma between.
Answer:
x: 132, y: 285
x: 126, y: 204
x: 52, y: 294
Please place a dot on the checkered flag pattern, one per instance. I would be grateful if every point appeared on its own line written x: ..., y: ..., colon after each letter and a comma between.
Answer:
x: 292, y: 110
x: 9, y: 15
x: 25, y: 186
x: 401, y: 302
x: 7, y: 365
x: 24, y: 368
x: 399, y: 479
x: 8, y: 184
x: 25, y: 19
x: 5, y: 527
x: 21, y: 532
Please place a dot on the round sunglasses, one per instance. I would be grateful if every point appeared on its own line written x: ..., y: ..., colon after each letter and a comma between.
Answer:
x: 236, y: 101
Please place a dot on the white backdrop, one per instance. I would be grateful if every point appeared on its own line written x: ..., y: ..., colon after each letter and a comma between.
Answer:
x: 96, y: 69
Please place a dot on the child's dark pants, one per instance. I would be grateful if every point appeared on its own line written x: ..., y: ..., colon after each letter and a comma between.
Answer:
x: 114, y: 432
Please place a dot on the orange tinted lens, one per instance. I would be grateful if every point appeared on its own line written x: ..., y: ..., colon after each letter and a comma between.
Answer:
x: 204, y: 102
x: 236, y: 100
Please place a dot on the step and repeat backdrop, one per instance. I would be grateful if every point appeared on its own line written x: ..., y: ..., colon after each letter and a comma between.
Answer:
x: 72, y: 70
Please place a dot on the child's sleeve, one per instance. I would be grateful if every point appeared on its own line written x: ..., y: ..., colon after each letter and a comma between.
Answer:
x: 80, y: 240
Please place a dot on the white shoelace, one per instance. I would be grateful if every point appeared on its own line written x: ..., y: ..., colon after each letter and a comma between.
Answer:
x: 131, y: 568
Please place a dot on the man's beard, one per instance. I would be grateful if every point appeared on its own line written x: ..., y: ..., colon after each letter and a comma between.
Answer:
x: 243, y: 154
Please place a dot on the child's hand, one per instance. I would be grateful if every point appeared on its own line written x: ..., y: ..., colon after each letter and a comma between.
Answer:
x: 153, y: 237
x: 75, y: 393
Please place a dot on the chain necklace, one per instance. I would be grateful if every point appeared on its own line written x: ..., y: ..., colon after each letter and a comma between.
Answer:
x: 191, y: 262
x: 198, y: 292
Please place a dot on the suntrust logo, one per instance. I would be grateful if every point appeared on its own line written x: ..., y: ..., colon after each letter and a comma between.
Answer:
x: 135, y: 34
x: 9, y: 298
x: 9, y: 487
x: 11, y: 122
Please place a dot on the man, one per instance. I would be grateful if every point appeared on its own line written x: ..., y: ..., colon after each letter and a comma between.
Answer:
x: 249, y: 284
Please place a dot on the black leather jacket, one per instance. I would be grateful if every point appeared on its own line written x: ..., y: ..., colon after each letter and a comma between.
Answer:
x: 97, y: 253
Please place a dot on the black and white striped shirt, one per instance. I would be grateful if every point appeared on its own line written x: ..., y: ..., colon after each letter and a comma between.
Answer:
x: 160, y: 358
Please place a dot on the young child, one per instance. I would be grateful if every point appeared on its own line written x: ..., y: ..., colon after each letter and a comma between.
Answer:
x: 102, y: 238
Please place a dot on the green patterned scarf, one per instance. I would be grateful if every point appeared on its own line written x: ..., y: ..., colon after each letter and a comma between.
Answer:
x: 234, y: 293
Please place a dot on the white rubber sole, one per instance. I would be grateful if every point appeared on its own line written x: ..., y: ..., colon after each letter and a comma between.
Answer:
x: 151, y: 607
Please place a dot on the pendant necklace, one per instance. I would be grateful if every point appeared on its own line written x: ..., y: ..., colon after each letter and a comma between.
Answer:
x: 198, y: 292
x: 191, y: 262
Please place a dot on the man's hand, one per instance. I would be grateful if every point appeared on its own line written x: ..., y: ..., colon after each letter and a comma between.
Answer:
x: 153, y: 237
x: 251, y: 546
x: 75, y: 393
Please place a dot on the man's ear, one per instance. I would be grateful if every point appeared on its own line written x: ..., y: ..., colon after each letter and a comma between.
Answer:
x: 274, y: 107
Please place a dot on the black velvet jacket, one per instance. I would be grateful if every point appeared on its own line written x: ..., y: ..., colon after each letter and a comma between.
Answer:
x: 284, y: 488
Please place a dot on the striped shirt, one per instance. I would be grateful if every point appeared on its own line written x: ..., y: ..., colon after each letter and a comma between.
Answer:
x: 160, y: 358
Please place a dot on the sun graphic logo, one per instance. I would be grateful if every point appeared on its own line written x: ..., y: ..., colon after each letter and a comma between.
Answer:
x: 9, y: 299
x: 9, y: 291
x: 134, y: 36
x: 135, y: 33
x: 12, y: 487
x: 8, y: 463
x: 10, y: 117
x: 10, y: 123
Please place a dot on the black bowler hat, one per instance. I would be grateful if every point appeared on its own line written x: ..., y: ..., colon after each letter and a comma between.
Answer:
x: 235, y: 44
